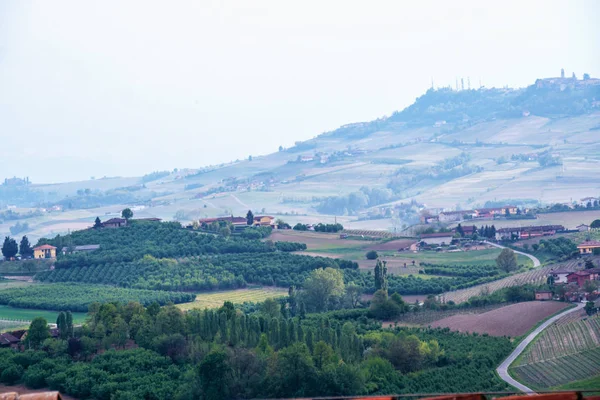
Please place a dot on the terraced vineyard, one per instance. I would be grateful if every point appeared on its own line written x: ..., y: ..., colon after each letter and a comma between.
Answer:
x: 559, y: 371
x: 563, y: 353
x: 535, y: 276
x: 365, y: 232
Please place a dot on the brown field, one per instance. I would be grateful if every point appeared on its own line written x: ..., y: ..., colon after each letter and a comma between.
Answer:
x: 513, y: 320
x: 315, y: 240
x: 394, y: 267
x: 393, y: 245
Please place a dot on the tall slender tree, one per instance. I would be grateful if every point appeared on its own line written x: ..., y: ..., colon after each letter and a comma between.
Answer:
x: 25, y: 247
x: 249, y: 218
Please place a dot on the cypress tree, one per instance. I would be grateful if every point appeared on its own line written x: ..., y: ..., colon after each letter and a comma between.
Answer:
x: 223, y: 327
x: 61, y: 324
x: 300, y: 333
x: 292, y: 335
x: 283, y: 334
x: 309, y: 339
x: 69, y: 323
x: 274, y: 332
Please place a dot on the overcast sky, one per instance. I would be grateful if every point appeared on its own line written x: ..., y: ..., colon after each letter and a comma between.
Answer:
x: 128, y: 87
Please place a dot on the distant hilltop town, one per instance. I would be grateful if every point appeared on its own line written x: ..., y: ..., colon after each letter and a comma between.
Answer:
x: 563, y: 82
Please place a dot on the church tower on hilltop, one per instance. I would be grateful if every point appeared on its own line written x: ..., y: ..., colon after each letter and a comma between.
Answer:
x: 562, y: 73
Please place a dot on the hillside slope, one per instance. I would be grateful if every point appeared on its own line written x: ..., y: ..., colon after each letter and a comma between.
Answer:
x: 449, y: 149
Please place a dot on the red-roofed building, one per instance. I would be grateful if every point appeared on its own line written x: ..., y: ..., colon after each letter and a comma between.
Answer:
x: 588, y: 247
x: 115, y: 223
x: 579, y: 277
x: 44, y: 251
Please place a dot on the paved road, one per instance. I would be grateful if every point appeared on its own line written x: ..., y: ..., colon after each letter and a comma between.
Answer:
x: 503, y: 368
x: 536, y: 262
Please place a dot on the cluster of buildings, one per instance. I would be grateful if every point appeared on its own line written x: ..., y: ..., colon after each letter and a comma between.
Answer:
x: 480, y: 213
x: 240, y: 222
x: 527, y: 232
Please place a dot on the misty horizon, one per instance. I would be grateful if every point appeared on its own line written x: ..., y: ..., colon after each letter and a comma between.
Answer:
x: 197, y: 85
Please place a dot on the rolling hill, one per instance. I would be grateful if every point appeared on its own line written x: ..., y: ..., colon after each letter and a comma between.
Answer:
x: 449, y: 149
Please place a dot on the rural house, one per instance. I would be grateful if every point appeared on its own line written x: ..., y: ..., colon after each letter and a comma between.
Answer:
x: 543, y: 295
x: 8, y: 340
x: 582, y: 228
x: 44, y: 251
x: 115, y: 223
x: 579, y: 277
x: 437, y: 238
x: 263, y: 220
x: 588, y: 247
x: 559, y: 275
x: 236, y: 222
x: 451, y: 216
x: 527, y: 232
x: 492, y: 212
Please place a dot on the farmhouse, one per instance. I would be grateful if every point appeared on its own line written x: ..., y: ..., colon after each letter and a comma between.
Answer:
x: 527, y: 232
x: 78, y: 249
x: 492, y: 212
x: 579, y: 277
x: 582, y: 228
x: 115, y: 223
x: 588, y: 247
x: 263, y: 220
x: 450, y: 216
x: 543, y: 295
x: 8, y: 340
x: 437, y: 238
x: 237, y: 222
x: 44, y: 251
x: 559, y: 275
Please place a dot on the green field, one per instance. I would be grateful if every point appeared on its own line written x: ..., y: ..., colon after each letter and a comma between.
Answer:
x: 239, y: 296
x: 25, y: 314
x: 585, y: 384
x: 7, y: 284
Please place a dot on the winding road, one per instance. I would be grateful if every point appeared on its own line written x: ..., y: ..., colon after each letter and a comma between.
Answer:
x: 503, y: 368
x: 536, y: 262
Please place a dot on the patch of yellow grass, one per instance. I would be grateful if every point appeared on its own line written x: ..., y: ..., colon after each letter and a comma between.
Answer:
x: 237, y: 296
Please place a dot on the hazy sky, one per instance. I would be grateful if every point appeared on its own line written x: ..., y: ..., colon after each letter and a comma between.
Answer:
x: 128, y: 87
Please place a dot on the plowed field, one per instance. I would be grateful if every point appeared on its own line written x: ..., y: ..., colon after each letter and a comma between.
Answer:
x: 512, y: 320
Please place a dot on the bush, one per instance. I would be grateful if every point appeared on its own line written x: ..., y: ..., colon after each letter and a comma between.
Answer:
x: 300, y: 227
x: 11, y: 374
x: 372, y: 255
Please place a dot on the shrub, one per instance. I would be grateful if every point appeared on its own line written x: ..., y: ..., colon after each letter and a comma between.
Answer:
x: 372, y: 255
x: 11, y: 374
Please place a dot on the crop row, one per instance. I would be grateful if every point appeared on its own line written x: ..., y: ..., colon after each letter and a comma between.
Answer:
x: 365, y: 232
x: 536, y: 276
x: 560, y: 340
x: 561, y: 370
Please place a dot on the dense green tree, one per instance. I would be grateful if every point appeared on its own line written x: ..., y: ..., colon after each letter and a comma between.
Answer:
x: 381, y: 276
x: 270, y: 307
x: 507, y: 260
x: 10, y: 248
x: 595, y: 224
x: 589, y: 264
x: 127, y: 213
x: 97, y: 223
x: 249, y: 218
x: 321, y: 286
x: 38, y: 332
x: 61, y: 324
x: 371, y: 255
x: 25, y: 248
x: 214, y: 373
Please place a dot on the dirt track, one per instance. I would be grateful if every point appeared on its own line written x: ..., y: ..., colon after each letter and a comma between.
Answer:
x: 513, y: 320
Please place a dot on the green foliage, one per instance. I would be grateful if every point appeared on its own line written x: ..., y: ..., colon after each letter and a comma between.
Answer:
x: 25, y: 248
x: 38, y: 332
x: 77, y: 297
x: 227, y: 271
x: 300, y: 227
x: 249, y: 218
x: 371, y: 255
x: 507, y: 260
x: 595, y: 224
x: 127, y: 213
x: 323, y: 286
x: 328, y: 227
x: 10, y: 248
